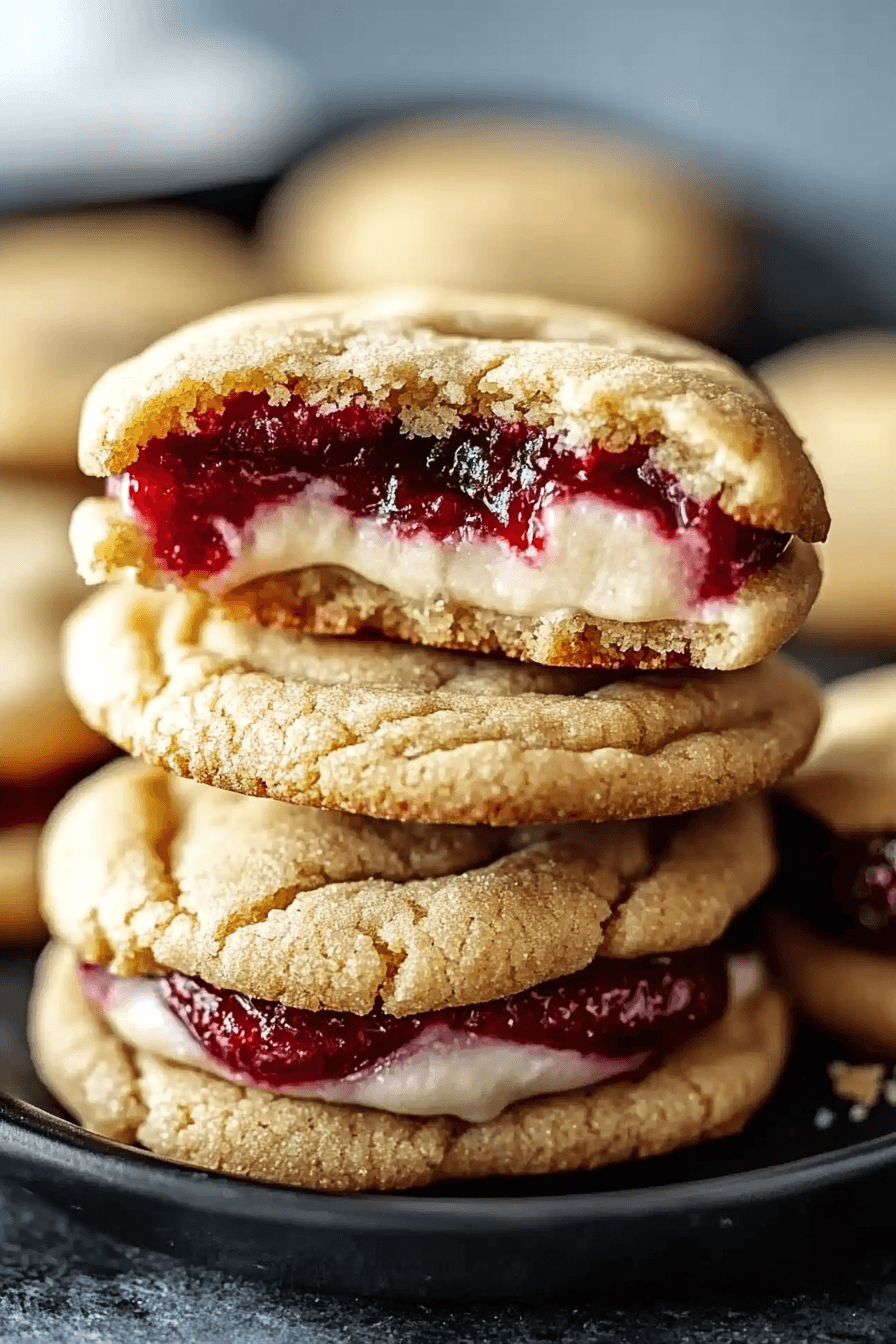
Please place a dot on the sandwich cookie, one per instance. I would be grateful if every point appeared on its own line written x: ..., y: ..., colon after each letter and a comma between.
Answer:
x: 510, y: 206
x: 465, y: 471
x: 835, y: 936
x: 356, y: 1004
x: 79, y: 292
x: 392, y: 730
x: 840, y: 394
x: 44, y: 744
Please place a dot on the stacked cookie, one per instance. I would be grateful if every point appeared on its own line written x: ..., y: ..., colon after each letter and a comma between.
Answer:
x: 465, y: 608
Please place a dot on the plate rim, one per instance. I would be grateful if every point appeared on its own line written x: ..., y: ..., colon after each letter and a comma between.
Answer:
x: 49, y: 1143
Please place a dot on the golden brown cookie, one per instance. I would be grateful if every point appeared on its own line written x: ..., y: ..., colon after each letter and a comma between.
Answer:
x: 79, y: 292
x: 149, y: 873
x: 840, y: 394
x: 551, y: 482
x: 850, y: 991
x: 707, y: 1088
x: 397, y: 731
x: 510, y: 206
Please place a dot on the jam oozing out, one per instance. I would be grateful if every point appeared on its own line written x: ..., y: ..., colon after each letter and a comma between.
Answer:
x: 611, y: 1008
x: 843, y: 883
x: 486, y: 479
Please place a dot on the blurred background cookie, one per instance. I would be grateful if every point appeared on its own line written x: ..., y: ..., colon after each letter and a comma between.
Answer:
x: 517, y: 206
x: 44, y: 746
x: 79, y: 292
x: 839, y: 393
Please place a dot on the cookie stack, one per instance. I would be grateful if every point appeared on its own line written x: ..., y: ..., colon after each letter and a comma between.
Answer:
x: 464, y: 607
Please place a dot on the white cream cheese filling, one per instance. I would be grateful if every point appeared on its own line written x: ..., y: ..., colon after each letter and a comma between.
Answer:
x: 608, y: 561
x: 441, y: 1072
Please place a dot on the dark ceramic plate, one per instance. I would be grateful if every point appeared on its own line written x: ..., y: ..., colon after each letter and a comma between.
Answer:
x: 786, y: 1190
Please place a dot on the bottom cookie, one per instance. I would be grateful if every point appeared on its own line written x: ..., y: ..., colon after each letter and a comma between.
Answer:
x: 849, y: 991
x: 708, y: 1088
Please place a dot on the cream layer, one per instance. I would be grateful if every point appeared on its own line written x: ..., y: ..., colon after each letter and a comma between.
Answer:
x: 608, y: 561
x: 441, y: 1072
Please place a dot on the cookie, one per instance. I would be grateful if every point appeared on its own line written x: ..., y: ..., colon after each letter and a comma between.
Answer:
x: 499, y: 474
x: 148, y: 873
x: 706, y: 1088
x: 835, y: 937
x: 848, y: 991
x: 840, y: 394
x: 79, y: 292
x: 512, y: 206
x: 399, y: 731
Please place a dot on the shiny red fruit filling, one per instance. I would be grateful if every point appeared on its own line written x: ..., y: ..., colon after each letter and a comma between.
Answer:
x: 611, y: 1008
x: 842, y: 882
x: 487, y: 479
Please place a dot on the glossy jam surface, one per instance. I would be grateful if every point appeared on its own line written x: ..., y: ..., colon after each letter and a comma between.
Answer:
x: 843, y: 883
x: 612, y: 1008
x: 487, y: 479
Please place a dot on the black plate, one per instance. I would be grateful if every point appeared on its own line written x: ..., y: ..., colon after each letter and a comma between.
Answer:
x: 785, y: 1190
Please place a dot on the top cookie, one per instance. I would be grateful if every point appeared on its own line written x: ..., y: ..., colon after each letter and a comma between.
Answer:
x: 80, y: 292
x: 509, y: 205
x: 840, y: 393
x: 559, y: 483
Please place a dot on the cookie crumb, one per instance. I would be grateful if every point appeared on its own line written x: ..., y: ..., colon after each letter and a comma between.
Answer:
x: 858, y: 1112
x: 824, y: 1118
x: 890, y: 1093
x: 861, y: 1083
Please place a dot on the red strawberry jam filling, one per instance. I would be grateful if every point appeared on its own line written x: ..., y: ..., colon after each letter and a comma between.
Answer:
x: 617, y: 1009
x: 842, y: 882
x: 486, y: 480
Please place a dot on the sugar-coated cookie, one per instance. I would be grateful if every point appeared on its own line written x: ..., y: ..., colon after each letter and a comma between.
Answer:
x: 79, y: 292
x: 398, y: 731
x: 559, y: 484
x: 148, y: 873
x: 835, y: 937
x: 708, y: 1087
x: 840, y: 394
x: 512, y: 206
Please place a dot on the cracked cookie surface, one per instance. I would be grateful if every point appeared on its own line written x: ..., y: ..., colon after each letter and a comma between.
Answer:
x: 415, y: 734
x: 708, y: 1088
x: 149, y: 873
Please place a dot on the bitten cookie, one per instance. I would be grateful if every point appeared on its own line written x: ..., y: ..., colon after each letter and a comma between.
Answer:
x: 708, y: 1087
x: 80, y: 292
x: 510, y: 206
x: 478, y: 472
x: 44, y: 744
x: 835, y: 935
x: 391, y: 730
x: 840, y: 393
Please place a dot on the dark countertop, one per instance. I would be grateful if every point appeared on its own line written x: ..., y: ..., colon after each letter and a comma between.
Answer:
x: 51, y: 1289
